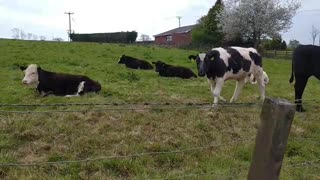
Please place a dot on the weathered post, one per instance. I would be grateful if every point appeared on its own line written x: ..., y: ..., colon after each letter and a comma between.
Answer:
x: 271, y: 141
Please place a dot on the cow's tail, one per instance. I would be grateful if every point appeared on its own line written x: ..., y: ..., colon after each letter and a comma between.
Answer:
x: 292, y: 75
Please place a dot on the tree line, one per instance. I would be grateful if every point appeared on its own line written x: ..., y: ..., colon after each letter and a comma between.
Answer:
x: 254, y: 23
x: 20, y: 34
x: 116, y: 37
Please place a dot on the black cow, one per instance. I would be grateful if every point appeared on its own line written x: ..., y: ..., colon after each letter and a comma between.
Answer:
x: 221, y: 64
x: 167, y: 70
x: 58, y: 84
x: 305, y: 63
x: 134, y: 63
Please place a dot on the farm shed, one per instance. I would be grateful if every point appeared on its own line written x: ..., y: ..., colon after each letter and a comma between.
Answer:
x: 176, y: 37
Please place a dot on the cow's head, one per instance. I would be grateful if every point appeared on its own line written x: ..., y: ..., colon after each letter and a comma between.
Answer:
x: 159, y: 65
x: 203, y: 61
x: 122, y: 59
x: 31, y: 74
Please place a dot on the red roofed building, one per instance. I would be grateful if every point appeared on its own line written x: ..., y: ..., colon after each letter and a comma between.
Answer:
x: 176, y: 37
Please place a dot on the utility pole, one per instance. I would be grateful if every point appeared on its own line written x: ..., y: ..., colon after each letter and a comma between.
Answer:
x: 179, y: 17
x: 69, y: 31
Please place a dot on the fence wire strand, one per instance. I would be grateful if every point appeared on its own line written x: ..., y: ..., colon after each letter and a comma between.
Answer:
x: 127, y: 107
x: 215, y: 174
x: 122, y: 156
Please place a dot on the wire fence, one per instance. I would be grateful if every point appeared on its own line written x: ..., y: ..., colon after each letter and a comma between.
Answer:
x: 132, y: 106
x: 154, y: 105
x: 123, y: 156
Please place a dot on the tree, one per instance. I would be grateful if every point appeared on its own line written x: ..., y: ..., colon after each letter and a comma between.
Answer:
x: 23, y: 35
x: 57, y: 39
x: 314, y: 33
x: 29, y: 36
x: 145, y: 37
x: 283, y: 45
x: 15, y: 33
x: 42, y: 38
x: 208, y: 29
x: 255, y: 19
x: 293, y: 43
x: 34, y: 37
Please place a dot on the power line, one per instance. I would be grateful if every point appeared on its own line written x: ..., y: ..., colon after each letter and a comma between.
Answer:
x: 69, y: 31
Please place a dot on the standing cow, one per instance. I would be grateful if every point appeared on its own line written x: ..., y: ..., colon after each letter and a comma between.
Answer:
x: 57, y: 83
x: 305, y: 63
x: 221, y: 64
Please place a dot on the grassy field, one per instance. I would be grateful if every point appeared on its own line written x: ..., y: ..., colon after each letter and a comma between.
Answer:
x: 203, y: 143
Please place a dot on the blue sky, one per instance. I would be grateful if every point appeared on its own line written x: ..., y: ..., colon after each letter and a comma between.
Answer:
x: 47, y: 18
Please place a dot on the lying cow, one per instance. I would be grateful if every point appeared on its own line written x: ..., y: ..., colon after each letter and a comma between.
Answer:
x: 221, y: 64
x: 134, y: 63
x: 167, y: 70
x: 305, y: 63
x: 251, y: 79
x: 56, y: 83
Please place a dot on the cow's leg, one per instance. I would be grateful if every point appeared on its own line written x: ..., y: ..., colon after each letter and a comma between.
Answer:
x: 217, y: 91
x: 299, y: 87
x: 261, y: 84
x: 212, y: 86
x: 44, y: 94
x: 237, y: 91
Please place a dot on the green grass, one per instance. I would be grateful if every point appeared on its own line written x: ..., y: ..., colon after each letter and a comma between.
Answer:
x: 50, y: 137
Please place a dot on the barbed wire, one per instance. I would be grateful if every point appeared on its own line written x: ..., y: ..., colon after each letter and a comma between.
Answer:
x: 123, y: 156
x: 303, y: 163
x: 126, y: 107
x: 313, y: 140
x: 206, y: 174
x: 133, y: 108
x: 142, y: 103
x: 128, y: 103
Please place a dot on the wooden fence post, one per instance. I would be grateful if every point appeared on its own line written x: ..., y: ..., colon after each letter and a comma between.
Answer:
x: 271, y: 140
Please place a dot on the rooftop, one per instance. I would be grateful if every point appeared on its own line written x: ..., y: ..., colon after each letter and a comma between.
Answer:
x: 183, y: 29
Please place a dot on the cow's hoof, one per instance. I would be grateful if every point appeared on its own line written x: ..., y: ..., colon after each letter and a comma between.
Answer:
x: 223, y: 99
x: 300, y: 109
x: 214, y: 105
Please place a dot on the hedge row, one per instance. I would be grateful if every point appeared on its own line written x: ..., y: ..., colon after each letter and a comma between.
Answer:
x: 116, y: 37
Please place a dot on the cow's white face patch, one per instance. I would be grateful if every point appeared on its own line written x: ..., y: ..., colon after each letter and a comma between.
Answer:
x: 31, y: 76
x: 202, y: 56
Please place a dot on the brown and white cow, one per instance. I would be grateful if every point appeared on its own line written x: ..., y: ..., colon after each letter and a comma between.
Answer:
x: 221, y: 64
x: 58, y: 83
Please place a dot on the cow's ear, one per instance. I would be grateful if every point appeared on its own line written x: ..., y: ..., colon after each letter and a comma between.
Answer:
x: 192, y: 57
x: 22, y: 68
x: 212, y: 55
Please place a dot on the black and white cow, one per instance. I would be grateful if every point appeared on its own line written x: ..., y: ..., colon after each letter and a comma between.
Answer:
x: 167, y: 70
x: 134, y: 63
x: 57, y: 83
x: 221, y: 64
x: 305, y: 63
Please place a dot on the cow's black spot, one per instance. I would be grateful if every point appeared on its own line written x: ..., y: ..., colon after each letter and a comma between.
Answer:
x: 237, y: 62
x: 246, y: 65
x: 256, y: 58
